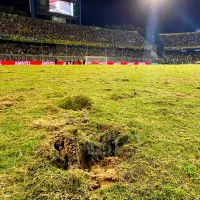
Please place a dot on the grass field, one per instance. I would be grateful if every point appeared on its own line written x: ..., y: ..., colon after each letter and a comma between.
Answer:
x: 137, y: 136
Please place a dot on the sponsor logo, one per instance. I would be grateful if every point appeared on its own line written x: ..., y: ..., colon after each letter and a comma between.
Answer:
x: 22, y: 63
x: 48, y: 63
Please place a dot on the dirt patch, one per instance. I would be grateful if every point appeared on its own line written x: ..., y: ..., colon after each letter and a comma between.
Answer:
x: 63, y: 123
x: 104, y: 174
x: 117, y: 97
x: 122, y: 80
x: 15, y: 80
x: 49, y: 125
x: 42, y: 71
x: 107, y: 89
x: 6, y: 104
x: 24, y: 89
x: 7, y: 72
x: 125, y: 80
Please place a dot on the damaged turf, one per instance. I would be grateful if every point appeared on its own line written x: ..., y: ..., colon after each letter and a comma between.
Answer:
x: 98, y: 157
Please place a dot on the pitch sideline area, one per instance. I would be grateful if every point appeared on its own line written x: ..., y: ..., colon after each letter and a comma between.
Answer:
x: 104, y: 132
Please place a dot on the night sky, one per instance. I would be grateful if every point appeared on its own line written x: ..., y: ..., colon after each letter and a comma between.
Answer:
x: 175, y: 15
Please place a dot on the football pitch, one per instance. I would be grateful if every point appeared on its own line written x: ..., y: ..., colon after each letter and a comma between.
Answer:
x: 100, y: 132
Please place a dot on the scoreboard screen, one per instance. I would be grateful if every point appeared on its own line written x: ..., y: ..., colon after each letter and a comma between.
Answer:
x: 62, y: 7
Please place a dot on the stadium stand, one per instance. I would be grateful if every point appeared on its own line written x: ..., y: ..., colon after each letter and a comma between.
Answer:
x: 181, y: 58
x: 22, y: 37
x: 181, y: 39
x: 181, y: 48
x: 24, y: 26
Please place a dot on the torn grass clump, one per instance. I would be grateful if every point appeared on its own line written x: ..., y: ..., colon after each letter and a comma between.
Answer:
x: 113, y: 142
x: 76, y: 103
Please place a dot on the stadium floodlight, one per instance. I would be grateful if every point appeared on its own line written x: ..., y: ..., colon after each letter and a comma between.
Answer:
x: 155, y: 2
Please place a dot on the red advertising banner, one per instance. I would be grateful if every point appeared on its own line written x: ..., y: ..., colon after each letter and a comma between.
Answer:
x: 27, y: 63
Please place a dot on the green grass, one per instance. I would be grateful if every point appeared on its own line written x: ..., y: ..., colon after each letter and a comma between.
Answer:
x: 159, y: 104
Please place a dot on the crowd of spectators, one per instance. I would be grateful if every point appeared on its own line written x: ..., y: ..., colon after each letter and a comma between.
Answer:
x: 25, y: 26
x: 26, y: 51
x: 176, y: 42
x: 181, y: 58
x: 181, y: 39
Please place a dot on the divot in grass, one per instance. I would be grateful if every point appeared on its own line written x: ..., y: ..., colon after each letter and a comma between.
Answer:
x: 97, y: 158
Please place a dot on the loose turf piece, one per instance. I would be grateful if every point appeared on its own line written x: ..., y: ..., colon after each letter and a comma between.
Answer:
x: 76, y: 103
